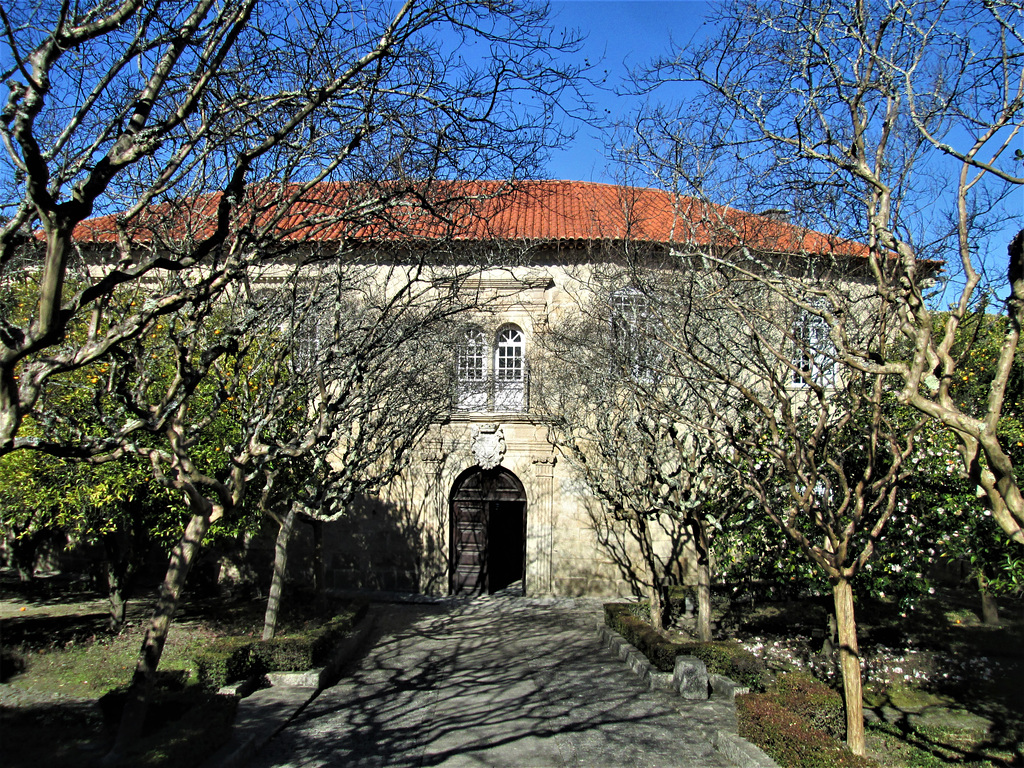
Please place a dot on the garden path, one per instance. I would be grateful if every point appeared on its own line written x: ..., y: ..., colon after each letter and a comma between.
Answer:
x: 501, y: 681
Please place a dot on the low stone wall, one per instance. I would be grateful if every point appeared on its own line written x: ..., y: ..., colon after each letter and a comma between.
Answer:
x: 690, y: 681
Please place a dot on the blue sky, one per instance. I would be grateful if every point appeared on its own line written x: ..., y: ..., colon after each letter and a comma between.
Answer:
x: 619, y: 35
x: 623, y: 34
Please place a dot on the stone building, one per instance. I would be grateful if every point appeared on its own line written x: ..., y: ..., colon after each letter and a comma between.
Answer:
x: 487, y: 502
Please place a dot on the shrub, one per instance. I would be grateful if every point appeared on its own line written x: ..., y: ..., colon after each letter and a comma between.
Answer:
x: 230, y: 659
x: 722, y: 658
x: 787, y: 737
x: 224, y: 661
x: 731, y: 660
x: 12, y: 662
x: 813, y: 700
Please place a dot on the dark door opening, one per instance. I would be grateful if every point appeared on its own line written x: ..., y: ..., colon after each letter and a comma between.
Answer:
x: 488, y: 532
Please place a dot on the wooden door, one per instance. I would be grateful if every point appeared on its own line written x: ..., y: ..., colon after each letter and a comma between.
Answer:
x: 488, y: 526
x: 469, y: 546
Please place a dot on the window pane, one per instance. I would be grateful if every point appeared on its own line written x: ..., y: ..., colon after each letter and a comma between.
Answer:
x: 509, y: 360
x: 471, y: 369
x: 509, y: 371
x: 814, y: 353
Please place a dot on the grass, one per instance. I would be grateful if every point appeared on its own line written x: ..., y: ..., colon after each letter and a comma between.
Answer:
x: 93, y: 668
x: 944, y: 688
x: 901, y: 746
x: 63, y: 663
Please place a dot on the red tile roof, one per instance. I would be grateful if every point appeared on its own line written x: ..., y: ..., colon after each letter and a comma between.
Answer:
x: 542, y: 212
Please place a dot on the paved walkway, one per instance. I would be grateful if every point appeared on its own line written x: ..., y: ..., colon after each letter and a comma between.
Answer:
x: 497, y: 682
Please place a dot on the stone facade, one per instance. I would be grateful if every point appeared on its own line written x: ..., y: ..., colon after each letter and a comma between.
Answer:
x: 407, y: 539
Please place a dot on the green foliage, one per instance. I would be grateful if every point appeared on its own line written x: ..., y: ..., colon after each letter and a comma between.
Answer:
x: 223, y: 661
x: 730, y: 660
x: 810, y: 698
x: 788, y: 737
x: 723, y: 658
x: 940, y: 515
x: 931, y: 747
x: 231, y: 659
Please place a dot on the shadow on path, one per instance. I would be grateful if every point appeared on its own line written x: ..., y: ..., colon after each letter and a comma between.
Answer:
x: 495, y: 682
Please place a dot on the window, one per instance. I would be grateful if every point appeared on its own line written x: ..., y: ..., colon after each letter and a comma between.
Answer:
x: 814, y: 353
x: 509, y: 370
x: 633, y: 342
x: 471, y: 368
x: 486, y: 382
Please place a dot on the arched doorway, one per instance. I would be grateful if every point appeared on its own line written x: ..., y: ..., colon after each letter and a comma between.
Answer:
x: 488, y: 531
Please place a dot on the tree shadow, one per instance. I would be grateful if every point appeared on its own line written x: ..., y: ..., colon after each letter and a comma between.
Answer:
x: 384, y: 546
x: 622, y: 542
x: 494, y: 681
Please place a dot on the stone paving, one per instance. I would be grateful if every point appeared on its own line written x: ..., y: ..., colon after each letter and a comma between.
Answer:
x: 499, y: 682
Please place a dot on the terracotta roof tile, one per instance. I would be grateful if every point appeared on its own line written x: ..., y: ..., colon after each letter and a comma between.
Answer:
x: 533, y: 211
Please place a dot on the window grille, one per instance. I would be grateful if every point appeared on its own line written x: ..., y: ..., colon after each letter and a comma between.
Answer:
x: 814, y: 353
x: 634, y: 342
x: 502, y: 388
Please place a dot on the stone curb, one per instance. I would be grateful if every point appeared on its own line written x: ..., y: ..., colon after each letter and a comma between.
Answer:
x: 738, y: 750
x: 268, y: 713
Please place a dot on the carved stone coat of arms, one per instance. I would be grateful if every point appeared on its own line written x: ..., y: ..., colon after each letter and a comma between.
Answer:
x: 487, y: 442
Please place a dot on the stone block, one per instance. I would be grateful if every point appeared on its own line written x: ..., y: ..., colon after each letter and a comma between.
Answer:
x: 623, y: 651
x: 638, y: 662
x: 725, y: 688
x: 690, y: 678
x: 308, y: 679
x: 661, y: 681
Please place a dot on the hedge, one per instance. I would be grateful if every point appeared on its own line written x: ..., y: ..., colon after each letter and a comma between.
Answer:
x: 788, y: 737
x: 810, y: 698
x: 723, y: 658
x: 230, y: 659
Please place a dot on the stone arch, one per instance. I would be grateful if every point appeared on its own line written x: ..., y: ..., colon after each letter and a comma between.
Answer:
x: 487, y: 523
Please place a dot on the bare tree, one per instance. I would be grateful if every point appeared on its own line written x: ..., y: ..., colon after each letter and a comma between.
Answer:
x: 611, y: 413
x: 340, y: 368
x: 887, y: 124
x: 197, y: 130
x: 811, y: 442
x: 383, y: 350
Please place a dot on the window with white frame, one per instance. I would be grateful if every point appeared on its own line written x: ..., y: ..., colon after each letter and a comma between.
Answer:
x: 509, y: 370
x: 471, y: 371
x: 491, y: 381
x: 813, y: 350
x: 633, y: 340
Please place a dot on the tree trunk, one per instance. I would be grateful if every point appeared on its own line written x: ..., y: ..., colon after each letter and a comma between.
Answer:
x: 989, y: 607
x: 704, y: 600
x: 284, y: 535
x: 25, y: 554
x: 121, y: 572
x: 116, y: 602
x: 701, y: 544
x: 849, y: 656
x: 182, y: 558
x: 652, y: 582
x: 318, y: 556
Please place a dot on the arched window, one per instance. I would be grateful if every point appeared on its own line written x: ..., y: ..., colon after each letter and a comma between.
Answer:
x: 509, y: 370
x: 471, y: 372
x: 491, y: 381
